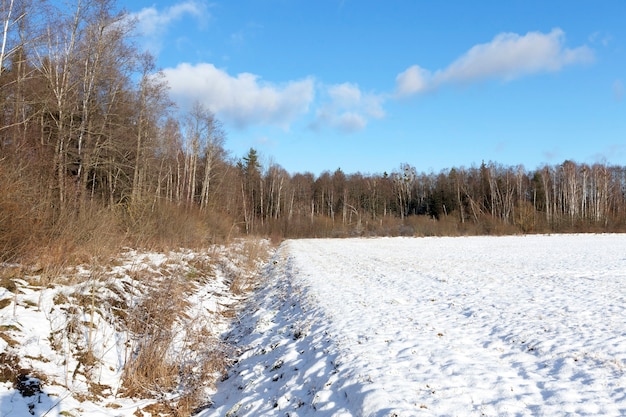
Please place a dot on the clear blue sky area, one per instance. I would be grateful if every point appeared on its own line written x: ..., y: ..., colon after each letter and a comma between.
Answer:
x: 367, y: 85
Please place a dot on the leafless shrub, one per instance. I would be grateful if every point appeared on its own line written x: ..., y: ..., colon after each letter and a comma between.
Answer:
x: 166, y: 226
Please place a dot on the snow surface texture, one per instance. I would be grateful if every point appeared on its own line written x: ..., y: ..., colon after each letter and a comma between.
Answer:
x: 472, y: 326
x: 48, y: 328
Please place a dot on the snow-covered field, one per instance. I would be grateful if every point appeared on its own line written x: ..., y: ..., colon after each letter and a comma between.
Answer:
x: 472, y: 326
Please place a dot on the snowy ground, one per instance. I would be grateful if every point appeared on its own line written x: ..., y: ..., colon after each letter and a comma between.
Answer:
x: 69, y: 341
x: 476, y: 326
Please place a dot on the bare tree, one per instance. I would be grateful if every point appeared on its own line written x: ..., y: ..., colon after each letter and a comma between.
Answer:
x: 404, y: 182
x: 153, y: 105
x: 206, y: 127
x: 56, y: 57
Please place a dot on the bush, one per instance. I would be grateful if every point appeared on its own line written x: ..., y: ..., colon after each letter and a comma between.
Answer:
x: 170, y: 226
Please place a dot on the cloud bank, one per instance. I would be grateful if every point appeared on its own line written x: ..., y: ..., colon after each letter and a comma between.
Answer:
x: 242, y: 100
x: 506, y: 57
x: 245, y: 99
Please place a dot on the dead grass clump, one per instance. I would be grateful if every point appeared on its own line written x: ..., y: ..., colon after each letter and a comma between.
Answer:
x: 171, y: 350
x: 202, y: 267
x: 241, y: 283
x: 200, y: 369
x: 99, y: 391
x: 254, y: 251
x: 60, y: 298
x: 229, y: 313
x: 11, y: 271
x: 86, y: 363
x: 9, y: 366
x: 149, y: 369
x: 8, y: 284
x: 161, y: 408
x: 149, y: 373
x: 116, y: 305
x: 8, y: 339
x: 87, y: 359
x: 5, y: 302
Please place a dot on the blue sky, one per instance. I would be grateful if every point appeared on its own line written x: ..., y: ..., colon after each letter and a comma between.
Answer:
x: 367, y: 85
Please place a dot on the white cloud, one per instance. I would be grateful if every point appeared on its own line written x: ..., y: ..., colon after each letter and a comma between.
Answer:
x: 242, y: 100
x: 507, y: 56
x: 350, y: 122
x: 152, y: 24
x: 348, y: 109
x: 413, y: 80
x: 345, y: 94
x: 151, y: 21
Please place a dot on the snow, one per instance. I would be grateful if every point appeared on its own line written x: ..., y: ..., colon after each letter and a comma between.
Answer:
x: 49, y: 328
x: 464, y: 326
x: 471, y: 326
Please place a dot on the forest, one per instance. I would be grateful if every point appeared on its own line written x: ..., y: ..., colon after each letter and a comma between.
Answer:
x: 95, y: 156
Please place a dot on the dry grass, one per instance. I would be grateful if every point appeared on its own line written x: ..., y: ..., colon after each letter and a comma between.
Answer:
x: 243, y: 274
x: 5, y: 302
x: 9, y: 367
x: 202, y: 366
x: 149, y: 369
x: 22, y: 213
x: 26, y: 381
x: 33, y: 231
x: 168, y: 226
x: 8, y: 283
x: 172, y: 352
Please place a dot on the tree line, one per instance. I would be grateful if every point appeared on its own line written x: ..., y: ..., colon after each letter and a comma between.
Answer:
x: 87, y: 131
x: 485, y: 199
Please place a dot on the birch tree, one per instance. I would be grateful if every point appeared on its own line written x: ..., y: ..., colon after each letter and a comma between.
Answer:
x: 10, y: 16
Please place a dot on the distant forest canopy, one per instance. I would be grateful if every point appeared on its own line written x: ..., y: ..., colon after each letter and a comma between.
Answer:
x: 91, y: 147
